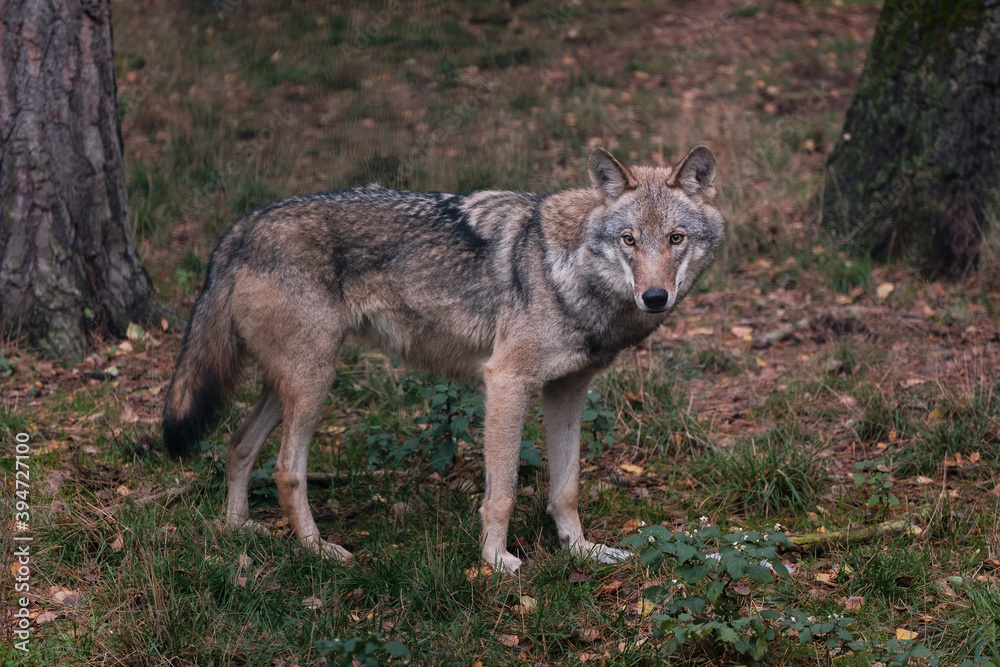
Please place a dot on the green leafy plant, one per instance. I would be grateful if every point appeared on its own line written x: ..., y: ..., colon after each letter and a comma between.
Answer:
x: 452, y: 410
x: 211, y: 463
x: 370, y: 651
x: 263, y: 491
x: 599, y: 423
x: 530, y: 456
x: 707, y: 598
x: 708, y: 603
x: 879, y: 478
x: 833, y: 631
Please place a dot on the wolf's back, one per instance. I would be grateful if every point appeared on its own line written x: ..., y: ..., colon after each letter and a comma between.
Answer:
x: 207, y: 368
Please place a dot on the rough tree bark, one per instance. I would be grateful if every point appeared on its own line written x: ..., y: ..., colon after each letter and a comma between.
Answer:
x: 68, y: 266
x: 916, y: 174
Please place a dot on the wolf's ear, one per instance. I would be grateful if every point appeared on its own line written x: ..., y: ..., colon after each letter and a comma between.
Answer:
x: 696, y: 172
x: 609, y: 178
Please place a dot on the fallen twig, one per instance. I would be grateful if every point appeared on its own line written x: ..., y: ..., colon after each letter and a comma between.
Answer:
x: 321, y: 478
x: 786, y: 331
x: 167, y: 496
x: 813, y: 541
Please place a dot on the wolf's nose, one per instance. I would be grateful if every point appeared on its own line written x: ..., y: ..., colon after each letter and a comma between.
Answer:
x: 655, y: 298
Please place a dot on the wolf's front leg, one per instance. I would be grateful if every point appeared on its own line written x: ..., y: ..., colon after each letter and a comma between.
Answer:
x: 564, y: 401
x: 507, y: 397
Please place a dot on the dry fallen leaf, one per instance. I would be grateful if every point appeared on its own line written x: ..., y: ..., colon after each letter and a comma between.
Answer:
x: 312, y: 603
x: 46, y: 617
x: 631, y: 468
x: 884, y: 290
x: 588, y: 657
x: 826, y: 578
x: 746, y: 333
x: 528, y: 603
x: 633, y: 525
x: 854, y: 603
x: 607, y: 588
x: 903, y: 634
x: 924, y: 480
x: 128, y: 414
x: 135, y: 332
x: 945, y: 589
x: 65, y: 596
x: 474, y: 573
x: 644, y: 607
x: 508, y: 640
x: 117, y: 543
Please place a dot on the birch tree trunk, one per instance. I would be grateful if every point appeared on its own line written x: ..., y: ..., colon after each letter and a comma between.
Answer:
x: 68, y: 266
x: 916, y: 174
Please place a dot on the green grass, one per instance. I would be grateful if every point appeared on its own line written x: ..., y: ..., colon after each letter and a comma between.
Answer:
x: 773, y: 475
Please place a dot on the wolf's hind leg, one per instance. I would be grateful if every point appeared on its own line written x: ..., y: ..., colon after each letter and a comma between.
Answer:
x: 302, y: 399
x: 244, y: 449
x: 564, y: 401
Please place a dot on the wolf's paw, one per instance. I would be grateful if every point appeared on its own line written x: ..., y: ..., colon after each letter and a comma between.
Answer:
x: 334, y: 552
x: 505, y: 562
x: 599, y: 553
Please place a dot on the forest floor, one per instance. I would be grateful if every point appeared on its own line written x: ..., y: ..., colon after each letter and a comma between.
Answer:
x: 799, y: 384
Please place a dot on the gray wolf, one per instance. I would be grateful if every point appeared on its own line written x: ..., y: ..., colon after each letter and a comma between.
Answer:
x: 515, y: 291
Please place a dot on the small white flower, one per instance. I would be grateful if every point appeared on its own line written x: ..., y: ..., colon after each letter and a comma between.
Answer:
x: 651, y: 539
x: 777, y: 527
x: 703, y: 519
x: 713, y: 556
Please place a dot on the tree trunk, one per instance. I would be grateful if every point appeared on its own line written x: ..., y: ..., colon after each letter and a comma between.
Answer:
x: 916, y: 174
x: 68, y: 266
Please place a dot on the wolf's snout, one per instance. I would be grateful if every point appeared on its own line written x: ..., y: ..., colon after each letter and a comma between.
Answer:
x: 655, y: 298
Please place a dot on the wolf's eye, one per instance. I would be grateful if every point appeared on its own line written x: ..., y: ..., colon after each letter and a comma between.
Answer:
x: 675, y: 239
x: 628, y: 239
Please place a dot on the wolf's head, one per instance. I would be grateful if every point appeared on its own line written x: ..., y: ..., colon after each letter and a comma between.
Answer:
x: 656, y: 229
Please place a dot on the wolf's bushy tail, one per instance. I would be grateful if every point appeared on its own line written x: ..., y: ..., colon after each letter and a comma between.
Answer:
x: 208, y: 367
